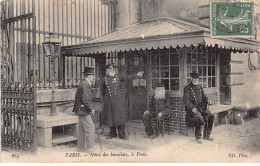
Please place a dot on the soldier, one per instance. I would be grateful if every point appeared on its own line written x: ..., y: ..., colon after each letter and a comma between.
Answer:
x: 158, y: 107
x: 83, y: 108
x: 114, y: 113
x: 197, y: 113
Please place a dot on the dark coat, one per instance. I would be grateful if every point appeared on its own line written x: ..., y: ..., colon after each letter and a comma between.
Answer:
x: 114, y: 112
x: 194, y: 97
x: 160, y: 105
x: 83, y: 99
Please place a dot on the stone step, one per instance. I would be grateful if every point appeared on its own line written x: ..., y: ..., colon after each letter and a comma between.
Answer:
x: 63, y: 139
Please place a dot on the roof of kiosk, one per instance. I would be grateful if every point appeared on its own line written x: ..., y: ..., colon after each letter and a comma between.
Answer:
x: 157, y: 33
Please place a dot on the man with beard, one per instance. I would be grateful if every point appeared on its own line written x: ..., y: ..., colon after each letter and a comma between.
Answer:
x: 114, y: 113
x: 159, y: 106
x: 197, y: 114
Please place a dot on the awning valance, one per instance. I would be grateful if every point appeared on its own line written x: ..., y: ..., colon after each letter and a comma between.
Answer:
x: 157, y: 34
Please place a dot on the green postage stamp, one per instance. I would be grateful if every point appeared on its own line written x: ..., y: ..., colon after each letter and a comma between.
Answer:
x: 231, y: 19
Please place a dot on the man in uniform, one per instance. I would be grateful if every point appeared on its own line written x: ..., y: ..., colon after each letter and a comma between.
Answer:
x: 196, y: 107
x: 114, y: 113
x: 83, y: 108
x: 158, y: 107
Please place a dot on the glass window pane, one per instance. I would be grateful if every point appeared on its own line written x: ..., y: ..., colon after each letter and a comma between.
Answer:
x: 189, y: 59
x: 204, y: 59
x: 200, y: 62
x: 141, y: 59
x: 200, y: 70
x: 188, y: 80
x: 155, y: 82
x: 136, y: 61
x: 174, y: 59
x: 155, y: 72
x: 155, y: 60
x: 213, y: 60
x: 213, y: 82
x: 164, y: 59
x: 204, y: 70
x: 165, y: 72
x: 122, y: 61
x: 205, y: 83
x: 175, y: 72
x: 194, y: 69
x: 201, y: 81
x: 193, y: 60
x: 209, y: 59
x: 165, y: 82
x: 174, y: 84
x: 209, y: 82
x: 213, y: 71
x: 188, y: 71
x: 209, y: 70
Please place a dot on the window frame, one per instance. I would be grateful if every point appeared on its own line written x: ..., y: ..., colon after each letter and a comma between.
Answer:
x: 209, y: 52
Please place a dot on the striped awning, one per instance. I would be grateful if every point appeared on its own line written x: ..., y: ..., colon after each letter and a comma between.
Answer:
x: 160, y: 33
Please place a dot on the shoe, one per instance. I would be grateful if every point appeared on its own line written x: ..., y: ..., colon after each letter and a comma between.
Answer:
x: 147, y: 136
x: 110, y: 137
x: 153, y: 136
x: 208, y: 139
x: 199, y: 141
x: 125, y: 138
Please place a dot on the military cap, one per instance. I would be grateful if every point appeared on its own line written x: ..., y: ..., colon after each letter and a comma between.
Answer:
x: 110, y: 65
x: 159, y: 85
x: 88, y: 71
x: 194, y: 75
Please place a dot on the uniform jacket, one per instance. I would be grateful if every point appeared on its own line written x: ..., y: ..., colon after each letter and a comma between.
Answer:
x: 194, y: 97
x: 83, y: 99
x: 114, y: 112
x: 160, y: 105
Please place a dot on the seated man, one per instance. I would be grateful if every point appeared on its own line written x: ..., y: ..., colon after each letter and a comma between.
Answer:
x: 159, y: 106
x: 197, y: 113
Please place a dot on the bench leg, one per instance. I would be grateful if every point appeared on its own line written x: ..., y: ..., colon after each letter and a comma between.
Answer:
x: 223, y: 117
x: 255, y: 113
x: 239, y: 116
x: 44, y: 137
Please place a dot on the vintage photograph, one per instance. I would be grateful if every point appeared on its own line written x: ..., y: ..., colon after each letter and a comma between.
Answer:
x: 130, y: 81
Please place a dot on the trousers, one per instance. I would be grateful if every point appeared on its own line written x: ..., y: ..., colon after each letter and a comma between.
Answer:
x: 120, y: 129
x: 148, y: 124
x: 86, y: 133
x: 199, y: 120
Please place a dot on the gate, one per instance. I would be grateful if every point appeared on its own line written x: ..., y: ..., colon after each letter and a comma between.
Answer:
x: 18, y: 81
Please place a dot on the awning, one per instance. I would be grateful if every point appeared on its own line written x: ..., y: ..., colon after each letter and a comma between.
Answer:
x: 159, y: 33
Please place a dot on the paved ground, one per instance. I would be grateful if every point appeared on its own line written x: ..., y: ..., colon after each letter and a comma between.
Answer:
x: 233, y: 143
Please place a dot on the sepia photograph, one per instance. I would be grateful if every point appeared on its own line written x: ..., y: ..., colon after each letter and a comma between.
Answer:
x: 130, y: 81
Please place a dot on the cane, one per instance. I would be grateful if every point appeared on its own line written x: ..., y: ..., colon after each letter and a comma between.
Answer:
x: 94, y: 119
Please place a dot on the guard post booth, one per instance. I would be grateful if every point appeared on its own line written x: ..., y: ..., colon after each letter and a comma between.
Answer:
x: 168, y: 50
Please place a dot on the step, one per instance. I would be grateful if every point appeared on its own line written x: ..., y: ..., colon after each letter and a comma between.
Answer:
x: 64, y: 138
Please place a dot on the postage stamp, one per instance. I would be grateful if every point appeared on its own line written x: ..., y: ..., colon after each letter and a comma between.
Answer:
x: 231, y: 19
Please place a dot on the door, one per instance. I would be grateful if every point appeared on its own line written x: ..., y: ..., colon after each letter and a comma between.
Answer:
x: 137, y: 87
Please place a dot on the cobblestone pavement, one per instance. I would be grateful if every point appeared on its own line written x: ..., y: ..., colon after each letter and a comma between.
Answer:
x: 233, y: 143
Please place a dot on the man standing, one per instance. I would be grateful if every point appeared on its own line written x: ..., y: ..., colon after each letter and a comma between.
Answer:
x: 83, y: 108
x: 158, y: 107
x: 197, y: 113
x: 114, y: 113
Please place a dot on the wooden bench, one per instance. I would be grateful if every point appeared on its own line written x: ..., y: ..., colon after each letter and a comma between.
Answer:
x: 222, y: 115
x: 241, y: 110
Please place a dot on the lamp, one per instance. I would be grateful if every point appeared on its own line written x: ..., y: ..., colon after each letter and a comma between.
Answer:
x: 51, y: 46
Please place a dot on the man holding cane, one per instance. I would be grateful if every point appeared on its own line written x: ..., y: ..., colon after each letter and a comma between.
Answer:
x: 83, y: 108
